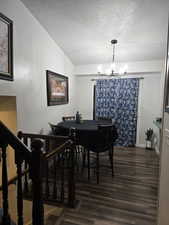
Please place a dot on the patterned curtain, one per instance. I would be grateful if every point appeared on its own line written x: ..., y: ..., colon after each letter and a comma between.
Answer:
x: 118, y: 99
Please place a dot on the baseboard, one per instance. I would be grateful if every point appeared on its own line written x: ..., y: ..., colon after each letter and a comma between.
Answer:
x: 140, y: 145
x: 157, y: 151
x: 143, y: 146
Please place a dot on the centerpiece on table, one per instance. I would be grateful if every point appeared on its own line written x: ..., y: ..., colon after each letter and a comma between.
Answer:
x: 78, y: 117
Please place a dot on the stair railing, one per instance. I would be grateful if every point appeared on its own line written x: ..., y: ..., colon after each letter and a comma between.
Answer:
x: 33, y: 159
x: 58, y: 168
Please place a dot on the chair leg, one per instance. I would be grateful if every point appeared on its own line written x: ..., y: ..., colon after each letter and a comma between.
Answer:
x: 83, y: 159
x: 88, y: 160
x: 111, y: 157
x: 97, y: 167
x: 76, y: 158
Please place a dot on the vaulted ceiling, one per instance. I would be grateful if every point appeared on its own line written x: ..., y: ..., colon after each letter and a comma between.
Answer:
x: 84, y: 28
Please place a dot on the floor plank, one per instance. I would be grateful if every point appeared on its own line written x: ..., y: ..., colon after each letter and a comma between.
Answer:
x: 130, y: 198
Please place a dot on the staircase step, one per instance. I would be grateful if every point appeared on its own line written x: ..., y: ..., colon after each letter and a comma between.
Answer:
x: 50, y: 210
x: 1, y: 214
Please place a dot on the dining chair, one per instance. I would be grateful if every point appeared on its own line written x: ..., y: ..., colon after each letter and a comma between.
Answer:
x: 104, y: 118
x: 98, y: 142
x: 65, y: 118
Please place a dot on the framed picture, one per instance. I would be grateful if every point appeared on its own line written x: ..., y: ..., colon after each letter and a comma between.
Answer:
x: 166, y: 89
x: 6, y: 48
x: 57, y: 88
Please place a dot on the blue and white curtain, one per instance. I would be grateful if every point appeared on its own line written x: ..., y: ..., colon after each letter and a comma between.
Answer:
x: 118, y: 99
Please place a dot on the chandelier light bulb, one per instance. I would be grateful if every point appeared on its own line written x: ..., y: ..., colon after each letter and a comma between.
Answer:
x: 100, y: 69
x: 113, y: 66
x: 121, y: 71
x: 125, y: 68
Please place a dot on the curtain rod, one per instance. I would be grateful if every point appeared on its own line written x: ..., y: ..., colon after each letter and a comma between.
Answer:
x: 140, y: 78
x: 129, y: 74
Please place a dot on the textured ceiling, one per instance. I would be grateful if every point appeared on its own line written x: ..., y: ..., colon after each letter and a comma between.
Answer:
x: 84, y: 28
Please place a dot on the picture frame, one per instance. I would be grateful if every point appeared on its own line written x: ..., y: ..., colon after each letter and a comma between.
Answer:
x: 166, y: 88
x: 57, y: 88
x: 6, y: 48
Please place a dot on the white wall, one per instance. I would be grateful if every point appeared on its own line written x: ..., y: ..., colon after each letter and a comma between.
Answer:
x: 150, y: 94
x: 149, y: 106
x: 84, y: 96
x: 34, y: 53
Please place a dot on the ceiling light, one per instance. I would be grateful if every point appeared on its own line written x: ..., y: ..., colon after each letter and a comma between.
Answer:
x: 112, y: 70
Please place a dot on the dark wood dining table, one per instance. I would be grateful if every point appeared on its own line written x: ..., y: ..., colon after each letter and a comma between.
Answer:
x: 86, y: 130
x: 84, y: 124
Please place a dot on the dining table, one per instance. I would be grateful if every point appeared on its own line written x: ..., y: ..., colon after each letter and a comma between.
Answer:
x: 86, y: 130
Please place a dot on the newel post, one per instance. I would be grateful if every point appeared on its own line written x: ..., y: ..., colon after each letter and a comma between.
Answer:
x: 36, y: 176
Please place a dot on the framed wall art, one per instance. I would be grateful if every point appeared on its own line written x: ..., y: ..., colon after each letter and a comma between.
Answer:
x: 57, y: 88
x: 6, y: 48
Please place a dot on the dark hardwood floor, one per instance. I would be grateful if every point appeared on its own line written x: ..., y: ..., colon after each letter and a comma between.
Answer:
x: 130, y: 198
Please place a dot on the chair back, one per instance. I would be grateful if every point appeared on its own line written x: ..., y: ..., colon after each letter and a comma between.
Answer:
x: 104, y: 119
x: 105, y: 137
x: 109, y: 131
x: 65, y: 118
x: 106, y: 130
x: 97, y: 141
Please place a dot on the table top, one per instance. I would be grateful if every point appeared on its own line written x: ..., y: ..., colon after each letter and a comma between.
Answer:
x: 84, y: 125
x: 87, y: 130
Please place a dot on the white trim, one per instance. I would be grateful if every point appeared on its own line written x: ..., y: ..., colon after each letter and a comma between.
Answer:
x: 141, y: 145
x: 157, y: 151
x: 138, y: 113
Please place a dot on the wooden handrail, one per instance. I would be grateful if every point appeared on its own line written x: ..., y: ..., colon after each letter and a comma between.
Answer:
x: 14, y: 142
x: 42, y: 136
x: 58, y: 149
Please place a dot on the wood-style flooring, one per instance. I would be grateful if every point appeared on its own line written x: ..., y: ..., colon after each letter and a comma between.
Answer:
x: 129, y: 198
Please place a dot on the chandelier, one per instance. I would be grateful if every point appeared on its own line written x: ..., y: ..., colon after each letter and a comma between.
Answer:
x: 112, y: 70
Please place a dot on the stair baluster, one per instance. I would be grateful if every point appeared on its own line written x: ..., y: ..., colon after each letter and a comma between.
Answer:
x: 25, y: 141
x: 19, y: 161
x: 55, y: 178
x: 47, y: 190
x: 62, y: 177
x: 26, y: 186
x: 5, y: 218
